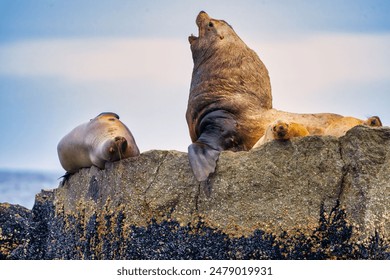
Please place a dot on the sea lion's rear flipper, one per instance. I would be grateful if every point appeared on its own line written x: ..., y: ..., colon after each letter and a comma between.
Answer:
x: 203, y: 160
x: 65, y: 178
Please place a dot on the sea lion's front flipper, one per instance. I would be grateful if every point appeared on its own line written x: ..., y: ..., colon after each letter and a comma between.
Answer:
x: 203, y: 160
x: 219, y: 133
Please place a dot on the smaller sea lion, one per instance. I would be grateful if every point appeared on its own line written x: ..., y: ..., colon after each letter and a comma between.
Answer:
x: 339, y: 127
x: 103, y: 139
x: 285, y: 131
x: 281, y: 130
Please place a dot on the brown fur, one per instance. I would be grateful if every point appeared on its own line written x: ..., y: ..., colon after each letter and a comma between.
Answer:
x: 281, y: 130
x: 341, y: 126
x: 314, y: 123
x: 230, y: 86
x: 228, y: 76
x: 286, y: 131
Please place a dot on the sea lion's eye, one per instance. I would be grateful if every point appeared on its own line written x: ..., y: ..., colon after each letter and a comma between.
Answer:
x: 211, y: 24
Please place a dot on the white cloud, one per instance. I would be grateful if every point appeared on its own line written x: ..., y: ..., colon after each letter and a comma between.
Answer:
x: 309, y: 65
x: 305, y: 67
x: 88, y: 60
x: 297, y: 67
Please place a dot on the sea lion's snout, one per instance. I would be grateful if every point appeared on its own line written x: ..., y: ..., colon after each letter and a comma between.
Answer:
x: 121, y: 143
x: 202, y: 16
x: 117, y: 148
x: 280, y: 131
x: 374, y: 121
x: 281, y: 134
x: 202, y: 20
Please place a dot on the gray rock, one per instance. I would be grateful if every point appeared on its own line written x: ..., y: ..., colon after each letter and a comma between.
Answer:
x: 366, y: 185
x: 14, y: 225
x: 310, y: 198
x: 279, y: 186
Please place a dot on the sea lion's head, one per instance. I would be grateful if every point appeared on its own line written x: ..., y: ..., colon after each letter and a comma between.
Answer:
x: 112, y: 141
x: 211, y: 32
x: 373, y: 121
x: 114, y: 149
x: 280, y: 130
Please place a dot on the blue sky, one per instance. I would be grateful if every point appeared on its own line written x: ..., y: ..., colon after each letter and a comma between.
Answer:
x: 64, y: 62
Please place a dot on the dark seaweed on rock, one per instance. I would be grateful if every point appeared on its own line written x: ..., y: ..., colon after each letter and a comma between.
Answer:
x: 167, y: 240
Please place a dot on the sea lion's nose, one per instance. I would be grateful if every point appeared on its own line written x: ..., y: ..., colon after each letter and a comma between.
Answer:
x: 121, y: 143
x: 202, y: 16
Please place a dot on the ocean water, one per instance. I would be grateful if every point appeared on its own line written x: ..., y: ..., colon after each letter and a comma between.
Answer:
x: 20, y: 187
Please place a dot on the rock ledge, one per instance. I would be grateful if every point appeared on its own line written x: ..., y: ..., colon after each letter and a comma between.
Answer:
x: 311, y: 198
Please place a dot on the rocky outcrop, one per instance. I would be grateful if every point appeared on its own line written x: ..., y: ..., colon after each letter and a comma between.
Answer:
x: 15, y: 221
x: 310, y: 198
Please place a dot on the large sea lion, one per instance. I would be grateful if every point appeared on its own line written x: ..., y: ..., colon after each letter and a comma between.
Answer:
x: 230, y: 86
x: 103, y: 139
